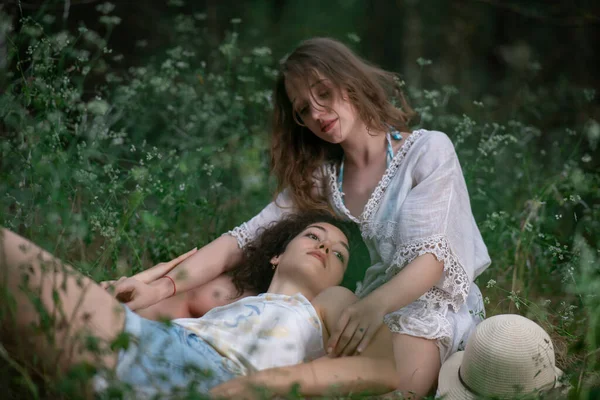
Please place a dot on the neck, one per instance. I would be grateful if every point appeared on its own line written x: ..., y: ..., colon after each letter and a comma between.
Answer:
x: 362, y: 147
x: 289, y: 287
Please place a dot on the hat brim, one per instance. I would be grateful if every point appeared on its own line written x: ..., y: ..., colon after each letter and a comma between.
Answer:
x: 449, y: 386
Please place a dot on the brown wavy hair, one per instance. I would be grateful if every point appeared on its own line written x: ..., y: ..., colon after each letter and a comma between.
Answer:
x: 296, y: 153
x: 255, y: 272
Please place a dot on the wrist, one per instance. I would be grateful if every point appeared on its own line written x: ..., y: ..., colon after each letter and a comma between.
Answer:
x: 381, y: 300
x: 165, y: 288
x: 268, y: 380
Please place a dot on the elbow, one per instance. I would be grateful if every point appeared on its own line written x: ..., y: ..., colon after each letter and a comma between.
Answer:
x: 233, y: 250
x: 225, y: 253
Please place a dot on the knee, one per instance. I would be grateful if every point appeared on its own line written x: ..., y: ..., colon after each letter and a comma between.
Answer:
x: 417, y: 383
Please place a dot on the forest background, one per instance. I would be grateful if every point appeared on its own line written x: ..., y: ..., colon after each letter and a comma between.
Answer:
x: 131, y: 132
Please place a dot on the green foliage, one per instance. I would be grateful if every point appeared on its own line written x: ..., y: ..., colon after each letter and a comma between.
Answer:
x: 124, y: 165
x: 116, y: 169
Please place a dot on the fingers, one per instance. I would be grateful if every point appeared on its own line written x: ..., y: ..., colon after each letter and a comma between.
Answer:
x: 182, y: 257
x: 365, y: 340
x: 106, y: 284
x: 124, y: 290
x: 354, y: 332
x: 332, y: 344
x: 346, y: 337
x: 349, y: 340
x: 352, y: 346
x: 135, y: 303
x: 137, y: 295
x: 110, y: 285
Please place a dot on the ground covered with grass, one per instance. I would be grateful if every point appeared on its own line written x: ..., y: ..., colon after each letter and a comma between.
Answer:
x: 115, y: 169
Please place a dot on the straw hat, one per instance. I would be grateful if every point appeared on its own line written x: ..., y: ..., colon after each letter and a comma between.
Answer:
x: 506, y: 356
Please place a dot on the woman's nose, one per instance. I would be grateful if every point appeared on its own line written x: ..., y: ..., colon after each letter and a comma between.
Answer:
x: 316, y: 111
x: 325, y: 246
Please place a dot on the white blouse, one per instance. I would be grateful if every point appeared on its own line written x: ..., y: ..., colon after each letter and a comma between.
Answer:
x: 421, y: 205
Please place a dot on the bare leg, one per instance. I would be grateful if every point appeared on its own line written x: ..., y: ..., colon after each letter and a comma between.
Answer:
x: 44, y: 292
x: 417, y: 363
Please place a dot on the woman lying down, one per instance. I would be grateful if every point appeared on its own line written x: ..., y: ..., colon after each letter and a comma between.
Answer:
x: 274, y: 340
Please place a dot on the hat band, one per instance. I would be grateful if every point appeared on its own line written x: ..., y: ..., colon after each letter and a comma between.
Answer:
x: 476, y: 393
x: 469, y: 388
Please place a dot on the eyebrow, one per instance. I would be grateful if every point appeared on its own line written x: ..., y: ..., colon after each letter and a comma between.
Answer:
x: 325, y: 230
x: 311, y: 86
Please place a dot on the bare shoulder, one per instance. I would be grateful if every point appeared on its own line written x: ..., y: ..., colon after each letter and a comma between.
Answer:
x: 334, y: 293
x: 331, y: 302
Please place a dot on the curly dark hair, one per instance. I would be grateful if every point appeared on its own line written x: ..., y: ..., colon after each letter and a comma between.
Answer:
x: 255, y: 271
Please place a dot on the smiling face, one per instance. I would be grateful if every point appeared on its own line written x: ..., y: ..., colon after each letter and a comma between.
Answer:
x: 318, y: 256
x: 324, y: 109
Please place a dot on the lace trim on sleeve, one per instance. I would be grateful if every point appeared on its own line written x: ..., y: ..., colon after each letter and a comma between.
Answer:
x: 241, y: 234
x: 455, y: 283
x: 418, y: 319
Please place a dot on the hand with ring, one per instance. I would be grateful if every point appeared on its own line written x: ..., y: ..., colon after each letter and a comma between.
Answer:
x: 355, y: 328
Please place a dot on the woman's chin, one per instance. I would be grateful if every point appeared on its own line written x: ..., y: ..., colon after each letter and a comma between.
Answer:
x: 332, y: 137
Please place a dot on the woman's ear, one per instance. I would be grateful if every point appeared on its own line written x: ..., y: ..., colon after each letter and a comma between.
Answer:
x: 344, y: 94
x: 275, y: 260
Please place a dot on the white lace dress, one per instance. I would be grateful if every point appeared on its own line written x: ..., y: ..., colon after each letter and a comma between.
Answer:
x: 421, y: 205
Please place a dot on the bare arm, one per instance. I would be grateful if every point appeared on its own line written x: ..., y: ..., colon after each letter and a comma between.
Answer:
x: 373, y: 371
x: 203, y: 266
x: 209, y: 262
x: 155, y: 272
x: 221, y: 254
x: 409, y: 284
x: 322, y: 377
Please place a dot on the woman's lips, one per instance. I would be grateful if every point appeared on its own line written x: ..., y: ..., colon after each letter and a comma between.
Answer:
x: 319, y: 255
x: 328, y: 126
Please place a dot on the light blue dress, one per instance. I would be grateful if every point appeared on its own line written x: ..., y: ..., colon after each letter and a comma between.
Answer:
x: 421, y: 205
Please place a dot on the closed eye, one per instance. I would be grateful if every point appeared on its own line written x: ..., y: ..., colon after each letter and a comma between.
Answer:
x: 303, y: 111
x: 324, y: 94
